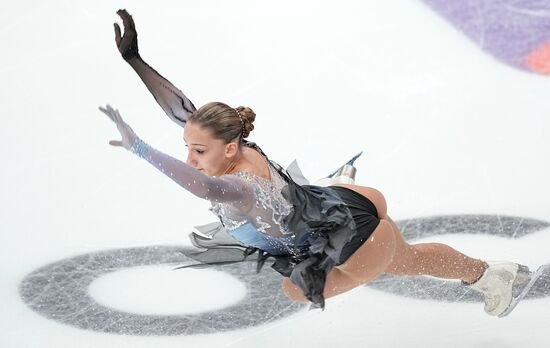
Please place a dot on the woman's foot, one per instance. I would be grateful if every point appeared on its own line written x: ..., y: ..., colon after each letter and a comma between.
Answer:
x: 497, y: 284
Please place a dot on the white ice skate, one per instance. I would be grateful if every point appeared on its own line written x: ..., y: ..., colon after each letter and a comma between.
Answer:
x: 343, y: 175
x: 498, y: 284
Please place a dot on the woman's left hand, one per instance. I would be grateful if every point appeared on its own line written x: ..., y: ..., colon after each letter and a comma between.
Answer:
x: 128, y: 135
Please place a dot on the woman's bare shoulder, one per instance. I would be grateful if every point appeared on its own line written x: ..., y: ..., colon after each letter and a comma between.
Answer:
x: 254, y: 163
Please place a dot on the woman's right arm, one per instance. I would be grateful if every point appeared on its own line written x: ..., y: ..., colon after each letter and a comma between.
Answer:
x: 174, y: 103
x: 226, y: 188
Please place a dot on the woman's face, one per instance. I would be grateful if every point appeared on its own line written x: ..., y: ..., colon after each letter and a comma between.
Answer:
x: 206, y: 153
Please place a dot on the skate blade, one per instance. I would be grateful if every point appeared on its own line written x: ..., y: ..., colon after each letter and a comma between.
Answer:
x: 521, y: 279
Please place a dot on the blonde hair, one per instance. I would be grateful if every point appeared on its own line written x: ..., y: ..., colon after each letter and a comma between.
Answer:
x: 225, y: 122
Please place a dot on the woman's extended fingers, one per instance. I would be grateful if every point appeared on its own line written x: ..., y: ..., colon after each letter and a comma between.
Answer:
x: 126, y: 132
x: 113, y: 114
x: 126, y: 18
x: 110, y: 109
x: 117, y: 34
x: 115, y: 142
x: 126, y: 41
x: 118, y: 116
x: 106, y: 112
x: 132, y: 24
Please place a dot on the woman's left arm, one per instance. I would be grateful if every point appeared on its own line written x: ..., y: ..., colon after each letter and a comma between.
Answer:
x: 171, y: 99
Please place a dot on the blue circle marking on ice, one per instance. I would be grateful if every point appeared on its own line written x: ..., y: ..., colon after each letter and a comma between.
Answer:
x: 66, y: 291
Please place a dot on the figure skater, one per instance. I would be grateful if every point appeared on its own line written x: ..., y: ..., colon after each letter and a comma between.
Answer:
x: 324, y: 240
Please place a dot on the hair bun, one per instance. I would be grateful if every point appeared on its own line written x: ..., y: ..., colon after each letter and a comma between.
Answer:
x: 248, y: 117
x: 225, y: 122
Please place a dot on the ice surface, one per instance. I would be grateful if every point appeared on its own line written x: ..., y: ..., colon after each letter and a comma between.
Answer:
x: 451, y: 113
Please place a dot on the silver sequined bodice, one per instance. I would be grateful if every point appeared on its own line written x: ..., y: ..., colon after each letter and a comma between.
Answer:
x: 268, y: 210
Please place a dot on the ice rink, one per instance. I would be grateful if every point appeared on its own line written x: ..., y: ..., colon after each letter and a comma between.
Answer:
x: 448, y: 100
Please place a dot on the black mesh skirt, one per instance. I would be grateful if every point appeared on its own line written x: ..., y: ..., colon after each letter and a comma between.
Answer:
x: 337, y: 222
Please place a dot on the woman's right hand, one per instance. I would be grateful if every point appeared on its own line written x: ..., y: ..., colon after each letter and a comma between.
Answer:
x: 127, y: 44
x: 127, y: 134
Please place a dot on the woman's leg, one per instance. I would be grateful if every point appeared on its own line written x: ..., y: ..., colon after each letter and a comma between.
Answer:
x: 387, y: 252
x: 434, y: 259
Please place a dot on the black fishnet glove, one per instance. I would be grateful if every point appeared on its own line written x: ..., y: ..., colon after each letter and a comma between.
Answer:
x: 172, y: 100
x: 127, y: 44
